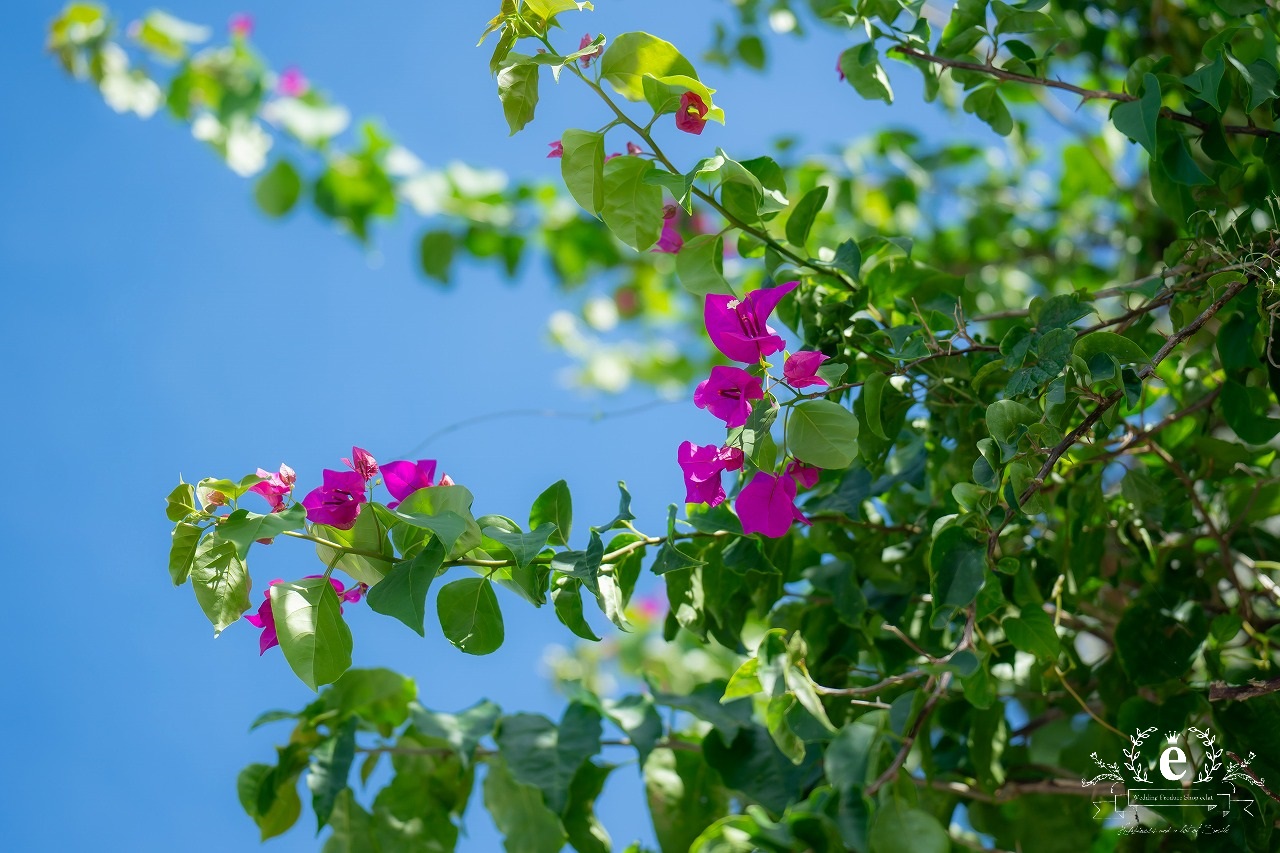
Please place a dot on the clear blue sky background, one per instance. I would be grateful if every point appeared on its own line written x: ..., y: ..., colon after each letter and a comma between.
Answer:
x: 155, y: 324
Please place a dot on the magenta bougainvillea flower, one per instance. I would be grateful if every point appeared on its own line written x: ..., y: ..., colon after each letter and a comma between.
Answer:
x: 692, y: 115
x: 839, y: 70
x: 292, y: 83
x: 241, y: 25
x: 670, y: 240
x: 805, y: 474
x: 586, y: 58
x: 739, y: 328
x: 362, y: 462
x: 633, y: 149
x: 266, y: 620
x: 727, y: 393
x: 404, y: 478
x: 801, y: 369
x: 336, y: 502
x: 274, y: 487
x: 767, y: 505
x: 557, y: 149
x: 702, y: 468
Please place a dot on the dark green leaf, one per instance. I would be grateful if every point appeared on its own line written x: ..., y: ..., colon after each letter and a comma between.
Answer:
x: 469, y: 615
x: 554, y: 505
x: 403, y: 592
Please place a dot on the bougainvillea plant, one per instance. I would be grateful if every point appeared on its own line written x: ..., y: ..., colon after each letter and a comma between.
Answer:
x: 1012, y: 499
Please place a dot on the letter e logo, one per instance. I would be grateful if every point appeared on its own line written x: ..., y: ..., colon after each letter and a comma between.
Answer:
x: 1171, y: 756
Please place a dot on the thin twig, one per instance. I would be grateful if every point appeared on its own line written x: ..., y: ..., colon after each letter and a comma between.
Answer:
x: 1083, y: 93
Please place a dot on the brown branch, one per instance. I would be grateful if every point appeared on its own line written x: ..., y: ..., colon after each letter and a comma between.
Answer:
x: 1103, y: 407
x: 1254, y: 776
x: 939, y: 686
x: 873, y: 689
x: 1144, y: 435
x: 1083, y: 93
x: 1220, y: 691
x: 1013, y: 790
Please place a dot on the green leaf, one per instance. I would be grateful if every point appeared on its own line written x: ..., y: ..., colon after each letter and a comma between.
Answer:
x: 633, y: 55
x: 671, y: 559
x: 379, y: 697
x: 1013, y: 20
x: 566, y: 597
x: 402, y: 594
x: 1118, y: 347
x: 1245, y: 411
x: 957, y: 568
x: 685, y: 797
x: 872, y: 392
x: 787, y: 741
x: 518, y: 91
x: 523, y: 547
x: 823, y: 433
x: 624, y: 510
x: 330, y: 766
x: 861, y: 67
x: 446, y: 526
x: 582, y: 166
x: 181, y: 502
x: 469, y: 615
x: 435, y: 253
x: 1033, y: 632
x: 1137, y: 119
x: 846, y: 758
x: 848, y: 259
x: 313, y: 636
x: 898, y: 829
x: 986, y: 104
x: 182, y: 553
x: 285, y: 805
x: 353, y: 829
x: 1206, y: 81
x: 554, y: 505
x: 800, y: 222
x: 221, y: 583
x: 243, y: 528
x: 586, y: 833
x: 368, y: 534
x: 277, y: 191
x: 546, y: 755
x: 637, y: 716
x: 1260, y: 77
x: 700, y: 265
x: 548, y: 9
x: 1156, y: 643
x: 519, y: 812
x: 464, y: 730
x: 632, y: 206
x: 428, y: 510
x: 744, y: 681
x: 965, y: 28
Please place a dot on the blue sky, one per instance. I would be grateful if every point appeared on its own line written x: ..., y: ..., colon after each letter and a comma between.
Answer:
x: 155, y: 324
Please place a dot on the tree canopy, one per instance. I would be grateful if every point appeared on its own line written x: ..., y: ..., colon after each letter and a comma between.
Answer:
x: 949, y: 574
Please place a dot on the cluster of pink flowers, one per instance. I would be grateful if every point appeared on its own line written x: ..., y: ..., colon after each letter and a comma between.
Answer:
x: 740, y: 330
x: 336, y: 502
x: 241, y: 25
